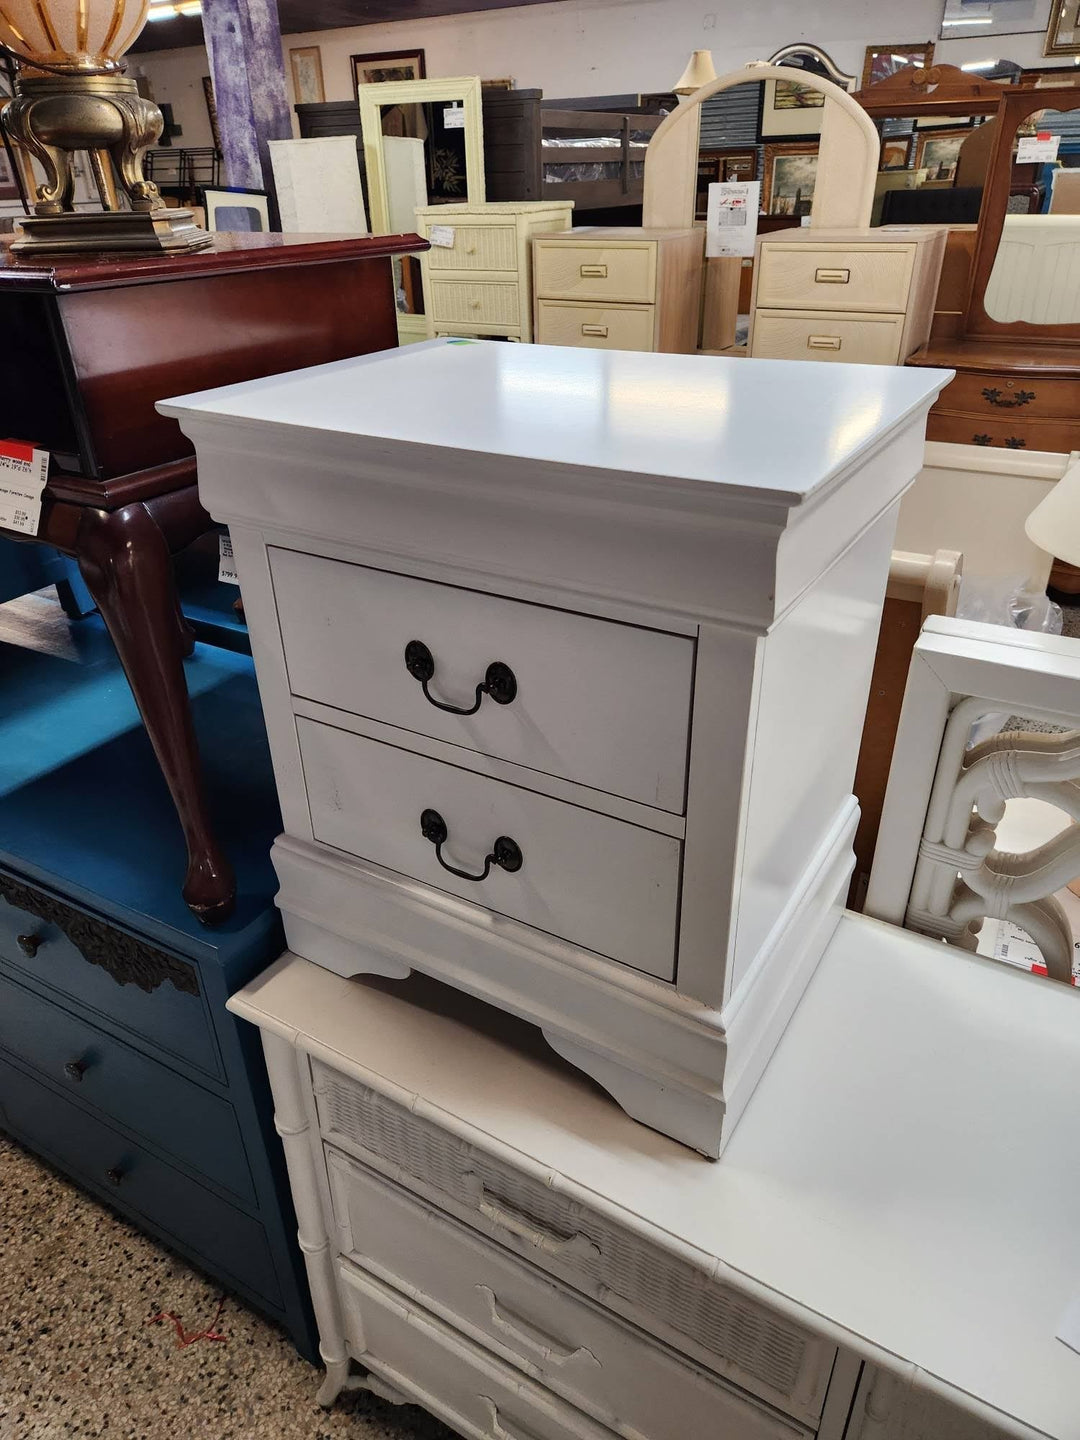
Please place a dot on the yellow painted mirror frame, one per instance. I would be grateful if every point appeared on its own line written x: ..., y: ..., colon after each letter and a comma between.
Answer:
x: 847, y: 168
x: 464, y: 90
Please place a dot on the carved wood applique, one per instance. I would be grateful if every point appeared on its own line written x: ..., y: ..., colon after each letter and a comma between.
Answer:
x: 127, y: 960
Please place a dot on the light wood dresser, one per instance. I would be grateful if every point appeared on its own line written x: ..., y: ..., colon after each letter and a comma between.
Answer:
x: 564, y: 657
x: 480, y: 283
x: 619, y: 288
x: 862, y: 296
x: 486, y: 1235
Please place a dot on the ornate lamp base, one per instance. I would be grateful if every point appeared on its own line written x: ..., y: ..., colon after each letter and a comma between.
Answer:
x: 154, y: 231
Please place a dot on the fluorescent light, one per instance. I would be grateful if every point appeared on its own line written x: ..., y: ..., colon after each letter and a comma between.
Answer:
x: 161, y: 12
x: 171, y: 8
x: 972, y: 20
x: 979, y: 65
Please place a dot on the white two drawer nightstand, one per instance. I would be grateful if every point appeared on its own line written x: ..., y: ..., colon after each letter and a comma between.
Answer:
x: 564, y: 656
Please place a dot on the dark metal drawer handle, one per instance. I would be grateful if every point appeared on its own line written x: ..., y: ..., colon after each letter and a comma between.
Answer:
x: 499, y: 680
x: 1022, y: 397
x: 75, y: 1070
x: 505, y: 853
x: 29, y: 944
x: 114, y: 1176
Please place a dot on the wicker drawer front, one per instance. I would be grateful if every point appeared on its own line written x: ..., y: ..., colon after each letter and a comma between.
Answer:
x: 853, y: 340
x: 624, y: 273
x: 581, y: 1352
x: 875, y: 279
x: 595, y: 327
x: 756, y: 1349
x: 477, y: 247
x: 1013, y: 432
x: 1006, y: 397
x: 474, y: 302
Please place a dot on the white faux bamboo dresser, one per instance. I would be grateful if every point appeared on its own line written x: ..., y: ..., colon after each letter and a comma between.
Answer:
x: 564, y: 656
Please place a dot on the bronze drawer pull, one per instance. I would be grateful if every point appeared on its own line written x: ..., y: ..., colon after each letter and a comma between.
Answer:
x: 505, y: 853
x: 823, y: 342
x: 600, y: 330
x: 982, y: 439
x: 825, y: 276
x: 74, y: 1070
x: 115, y: 1176
x: 499, y: 680
x: 593, y: 272
x: 1022, y: 397
x: 29, y: 944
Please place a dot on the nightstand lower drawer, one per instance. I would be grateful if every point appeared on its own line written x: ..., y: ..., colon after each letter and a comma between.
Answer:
x: 590, y: 1358
x: 468, y: 302
x: 173, y: 1113
x: 202, y: 1224
x: 803, y: 335
x: 1012, y: 432
x: 603, y: 884
x: 599, y: 327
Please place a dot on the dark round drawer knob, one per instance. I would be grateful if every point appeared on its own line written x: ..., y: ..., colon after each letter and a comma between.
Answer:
x: 29, y: 944
x: 75, y: 1069
x: 115, y: 1175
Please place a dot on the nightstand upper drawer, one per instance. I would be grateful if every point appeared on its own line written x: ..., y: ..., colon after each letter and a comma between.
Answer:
x: 624, y: 272
x: 803, y: 276
x: 596, y: 702
x: 599, y: 883
x: 475, y: 302
x: 595, y: 327
x: 804, y: 335
x: 477, y: 247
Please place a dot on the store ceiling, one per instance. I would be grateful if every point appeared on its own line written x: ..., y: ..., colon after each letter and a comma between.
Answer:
x: 298, y: 16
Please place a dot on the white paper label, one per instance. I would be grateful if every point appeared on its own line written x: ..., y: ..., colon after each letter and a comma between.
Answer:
x: 732, y: 218
x: 454, y: 118
x: 226, y: 573
x: 1069, y: 1329
x: 442, y: 236
x: 1037, y: 149
x: 23, y: 472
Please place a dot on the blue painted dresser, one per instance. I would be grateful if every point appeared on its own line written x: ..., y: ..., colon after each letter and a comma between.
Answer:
x: 118, y: 1061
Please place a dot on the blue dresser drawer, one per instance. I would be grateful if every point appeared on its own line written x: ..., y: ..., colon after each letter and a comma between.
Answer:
x: 111, y: 975
x: 173, y: 1113
x: 207, y: 1228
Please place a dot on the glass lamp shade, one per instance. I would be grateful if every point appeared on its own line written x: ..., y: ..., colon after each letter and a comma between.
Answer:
x: 75, y: 36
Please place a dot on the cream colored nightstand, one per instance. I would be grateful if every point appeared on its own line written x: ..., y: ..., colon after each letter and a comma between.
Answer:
x: 619, y: 288
x: 863, y: 296
x: 481, y: 282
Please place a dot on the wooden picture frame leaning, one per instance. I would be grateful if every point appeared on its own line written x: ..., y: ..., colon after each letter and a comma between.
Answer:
x: 1063, y: 32
x: 772, y: 184
x: 381, y: 67
x: 876, y: 68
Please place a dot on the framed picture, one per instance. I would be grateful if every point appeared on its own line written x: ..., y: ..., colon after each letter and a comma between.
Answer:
x: 884, y: 60
x: 1063, y: 32
x: 896, y: 153
x: 789, y: 108
x: 9, y: 181
x: 789, y: 179
x: 307, y: 76
x: 715, y: 166
x: 211, y: 110
x: 231, y: 207
x: 939, y: 153
x: 993, y: 17
x: 386, y: 65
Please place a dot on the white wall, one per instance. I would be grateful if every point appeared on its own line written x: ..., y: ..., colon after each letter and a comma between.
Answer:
x: 598, y: 47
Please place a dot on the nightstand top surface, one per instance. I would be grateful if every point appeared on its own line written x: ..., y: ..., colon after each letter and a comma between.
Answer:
x: 765, y: 429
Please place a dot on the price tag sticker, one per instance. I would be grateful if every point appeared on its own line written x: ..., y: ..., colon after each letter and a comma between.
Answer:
x: 1040, y: 149
x: 453, y: 118
x: 24, y: 469
x: 732, y: 218
x: 226, y: 564
x: 442, y: 236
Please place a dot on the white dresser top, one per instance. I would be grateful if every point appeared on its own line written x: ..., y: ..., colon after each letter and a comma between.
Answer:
x: 908, y: 1169
x: 774, y: 428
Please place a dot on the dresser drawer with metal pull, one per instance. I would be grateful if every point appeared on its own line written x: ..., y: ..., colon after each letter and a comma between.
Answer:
x: 107, y: 974
x: 581, y: 1352
x: 600, y: 883
x: 623, y: 273
x: 807, y: 335
x: 1012, y: 430
x: 477, y: 247
x: 625, y: 1272
x: 173, y: 1113
x: 1005, y: 397
x: 877, y: 278
x: 470, y: 302
x: 596, y: 327
x: 159, y: 1197
x: 592, y: 701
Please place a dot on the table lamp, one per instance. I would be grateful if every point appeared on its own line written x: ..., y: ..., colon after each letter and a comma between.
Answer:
x: 71, y: 95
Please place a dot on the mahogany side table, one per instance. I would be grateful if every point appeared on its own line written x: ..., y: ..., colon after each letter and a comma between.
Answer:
x: 92, y: 343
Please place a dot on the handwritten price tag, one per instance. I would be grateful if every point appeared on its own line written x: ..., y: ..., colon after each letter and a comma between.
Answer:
x: 24, y: 469
x: 226, y: 564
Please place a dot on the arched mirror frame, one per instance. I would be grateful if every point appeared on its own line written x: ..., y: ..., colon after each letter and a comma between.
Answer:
x: 1016, y: 105
x: 847, y: 167
x: 828, y: 64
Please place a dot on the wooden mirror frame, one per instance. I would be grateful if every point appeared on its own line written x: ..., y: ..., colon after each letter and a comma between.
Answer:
x: 934, y: 90
x: 1016, y: 105
x: 377, y: 97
